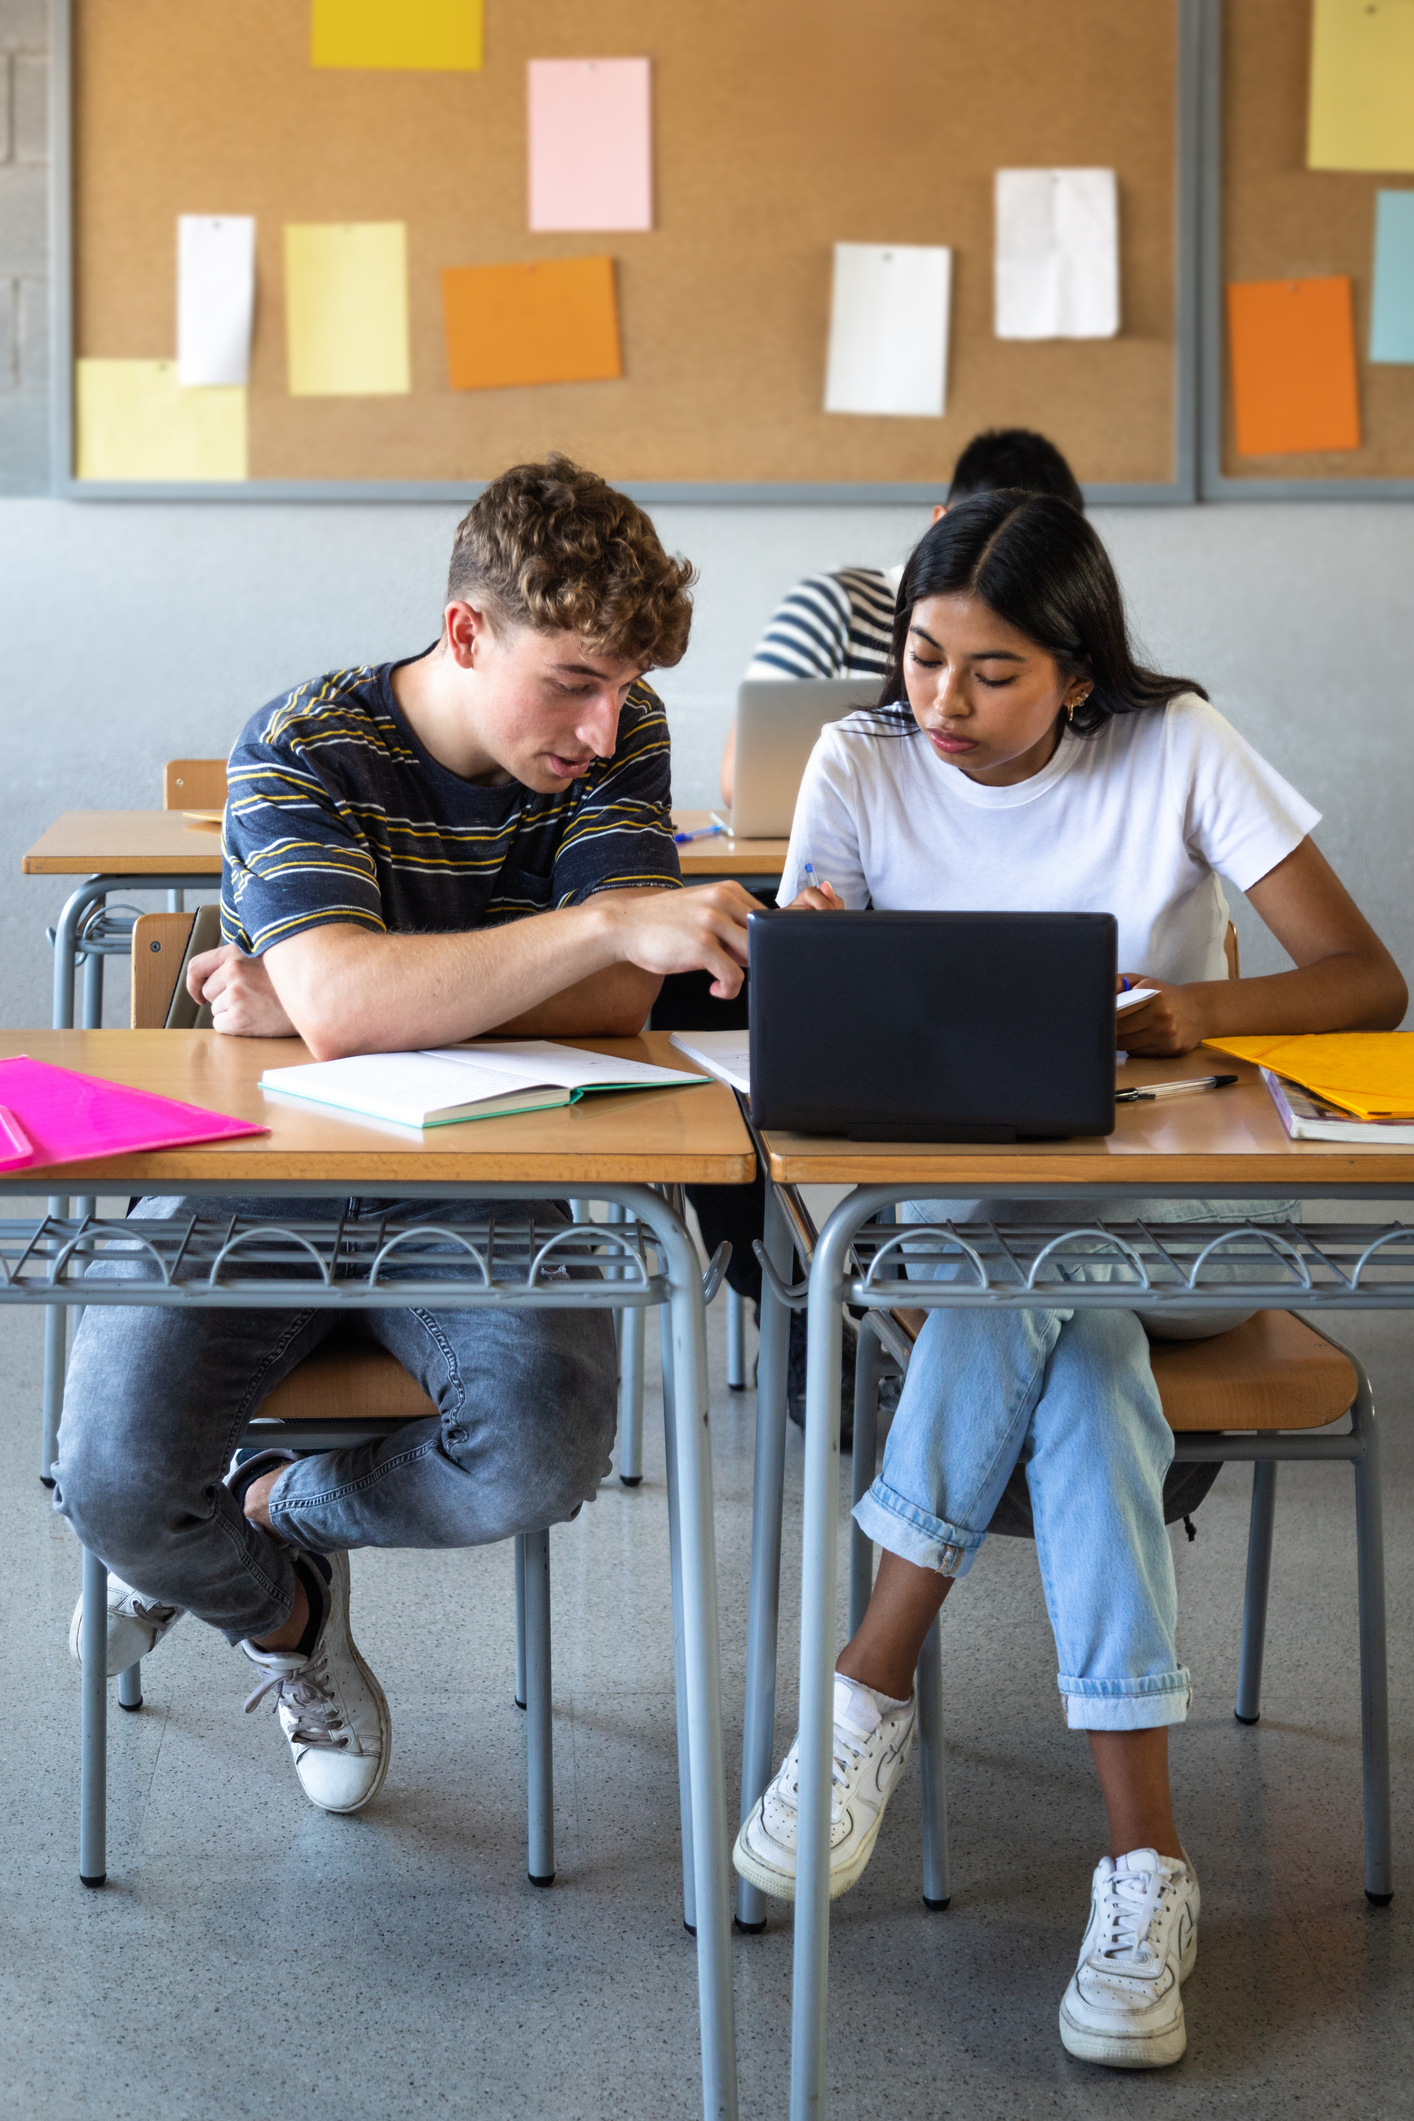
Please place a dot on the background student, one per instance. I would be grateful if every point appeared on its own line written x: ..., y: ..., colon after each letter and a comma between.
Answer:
x: 1025, y: 761
x: 840, y: 625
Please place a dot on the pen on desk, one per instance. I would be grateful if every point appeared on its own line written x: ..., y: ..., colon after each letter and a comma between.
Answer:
x: 703, y: 832
x: 1153, y: 1090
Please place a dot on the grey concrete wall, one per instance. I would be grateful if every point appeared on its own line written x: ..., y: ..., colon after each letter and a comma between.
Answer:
x: 134, y: 632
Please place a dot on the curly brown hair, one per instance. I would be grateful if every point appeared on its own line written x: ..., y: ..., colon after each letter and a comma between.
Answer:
x: 553, y: 547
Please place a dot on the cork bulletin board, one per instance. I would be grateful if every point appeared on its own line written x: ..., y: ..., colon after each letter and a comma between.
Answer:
x: 1273, y: 219
x: 777, y: 132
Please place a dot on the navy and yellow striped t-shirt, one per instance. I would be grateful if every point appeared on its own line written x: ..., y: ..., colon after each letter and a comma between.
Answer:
x: 337, y: 813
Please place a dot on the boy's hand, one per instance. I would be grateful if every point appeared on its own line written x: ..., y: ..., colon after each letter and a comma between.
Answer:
x: 684, y: 931
x: 243, y: 1001
x: 1175, y: 1021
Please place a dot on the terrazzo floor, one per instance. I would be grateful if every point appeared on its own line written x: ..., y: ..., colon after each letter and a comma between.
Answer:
x: 253, y: 1957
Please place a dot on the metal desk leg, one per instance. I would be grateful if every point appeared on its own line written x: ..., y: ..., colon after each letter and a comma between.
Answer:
x: 631, y: 1331
x: 810, y: 1990
x: 631, y: 1398
x: 866, y: 1451
x: 736, y: 1340
x: 56, y: 1340
x: 933, y: 1767
x: 1374, y: 1677
x: 768, y: 1488
x: 698, y: 1566
x: 670, y: 1453
x: 1248, y: 1706
x: 520, y: 1619
x: 93, y: 1725
x: 539, y: 1735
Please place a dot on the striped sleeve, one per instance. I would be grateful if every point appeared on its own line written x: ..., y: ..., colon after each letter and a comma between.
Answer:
x: 829, y: 626
x: 620, y: 833
x: 295, y: 854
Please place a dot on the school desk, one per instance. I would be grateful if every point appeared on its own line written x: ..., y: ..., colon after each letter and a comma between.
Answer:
x: 614, y: 1148
x: 164, y: 850
x: 1216, y: 1145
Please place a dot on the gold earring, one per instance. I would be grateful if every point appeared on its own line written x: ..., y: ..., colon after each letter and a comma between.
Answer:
x: 1070, y: 711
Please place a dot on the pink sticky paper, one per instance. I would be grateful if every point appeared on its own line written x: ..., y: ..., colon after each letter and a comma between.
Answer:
x: 591, y: 144
x: 69, y: 1118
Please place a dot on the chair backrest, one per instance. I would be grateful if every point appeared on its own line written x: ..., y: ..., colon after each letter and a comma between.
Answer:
x: 194, y: 784
x: 159, y: 945
x: 1230, y: 952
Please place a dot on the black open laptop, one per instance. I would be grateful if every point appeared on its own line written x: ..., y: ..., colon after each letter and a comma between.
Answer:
x: 966, y: 1027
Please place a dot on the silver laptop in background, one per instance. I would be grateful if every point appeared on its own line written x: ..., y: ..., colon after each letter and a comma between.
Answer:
x: 777, y: 722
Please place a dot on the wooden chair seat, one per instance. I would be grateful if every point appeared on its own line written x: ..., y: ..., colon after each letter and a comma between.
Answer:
x: 342, y: 1383
x: 1272, y: 1373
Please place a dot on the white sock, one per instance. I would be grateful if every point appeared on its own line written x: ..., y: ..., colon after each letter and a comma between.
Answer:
x: 884, y: 1704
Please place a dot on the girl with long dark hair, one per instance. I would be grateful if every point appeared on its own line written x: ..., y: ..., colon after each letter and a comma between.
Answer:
x: 1022, y: 758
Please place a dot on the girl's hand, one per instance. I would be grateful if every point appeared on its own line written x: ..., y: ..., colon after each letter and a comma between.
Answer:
x: 825, y: 899
x: 1175, y: 1021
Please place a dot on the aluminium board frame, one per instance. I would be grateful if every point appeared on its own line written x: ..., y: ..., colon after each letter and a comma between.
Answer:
x: 1181, y: 488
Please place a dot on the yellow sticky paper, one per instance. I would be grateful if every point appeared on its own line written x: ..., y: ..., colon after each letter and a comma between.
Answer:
x: 435, y: 36
x: 1362, y: 85
x: 1369, y: 1073
x: 134, y: 421
x: 346, y: 309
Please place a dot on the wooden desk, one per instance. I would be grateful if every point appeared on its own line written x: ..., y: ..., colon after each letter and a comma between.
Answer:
x: 649, y: 1137
x: 127, y: 843
x: 1215, y: 1142
x: 131, y: 843
x: 613, y: 1147
x: 152, y: 850
x: 724, y: 856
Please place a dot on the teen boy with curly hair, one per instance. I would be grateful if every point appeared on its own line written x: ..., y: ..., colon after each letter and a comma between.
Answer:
x: 471, y: 839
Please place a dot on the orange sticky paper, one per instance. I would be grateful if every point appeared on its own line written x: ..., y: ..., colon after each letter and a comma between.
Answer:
x: 1294, y: 378
x: 556, y: 321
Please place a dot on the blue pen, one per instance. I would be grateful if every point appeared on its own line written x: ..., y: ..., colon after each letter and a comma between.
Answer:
x: 704, y: 832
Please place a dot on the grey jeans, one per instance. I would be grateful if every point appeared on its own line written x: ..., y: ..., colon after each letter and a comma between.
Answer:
x: 156, y: 1401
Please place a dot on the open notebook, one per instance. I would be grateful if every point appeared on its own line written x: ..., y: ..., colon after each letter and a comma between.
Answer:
x: 445, y: 1084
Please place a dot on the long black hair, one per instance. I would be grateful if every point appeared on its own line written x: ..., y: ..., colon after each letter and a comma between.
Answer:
x: 1037, y: 563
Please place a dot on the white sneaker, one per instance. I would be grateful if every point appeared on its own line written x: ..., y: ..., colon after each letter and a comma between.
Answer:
x: 331, y: 1708
x: 871, y: 1740
x: 1124, y: 2005
x: 135, y: 1625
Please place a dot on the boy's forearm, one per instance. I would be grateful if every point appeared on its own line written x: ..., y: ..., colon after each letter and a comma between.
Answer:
x: 348, y: 991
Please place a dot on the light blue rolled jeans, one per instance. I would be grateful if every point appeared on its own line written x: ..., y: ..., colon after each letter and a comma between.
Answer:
x: 1070, y: 1395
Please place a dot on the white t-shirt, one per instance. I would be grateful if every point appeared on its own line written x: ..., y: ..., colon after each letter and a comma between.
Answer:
x: 1138, y: 821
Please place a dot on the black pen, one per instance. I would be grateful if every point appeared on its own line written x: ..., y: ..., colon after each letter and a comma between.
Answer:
x: 1152, y: 1090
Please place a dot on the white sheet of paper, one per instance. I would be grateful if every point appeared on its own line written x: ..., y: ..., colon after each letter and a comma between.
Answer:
x: 888, y: 348
x: 1057, y: 263
x: 1133, y: 998
x: 215, y: 298
x: 725, y: 1054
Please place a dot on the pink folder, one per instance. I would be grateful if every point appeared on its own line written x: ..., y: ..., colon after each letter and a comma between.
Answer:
x: 55, y: 1116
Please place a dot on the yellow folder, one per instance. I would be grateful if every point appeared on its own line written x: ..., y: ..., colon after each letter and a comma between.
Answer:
x: 1369, y: 1073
